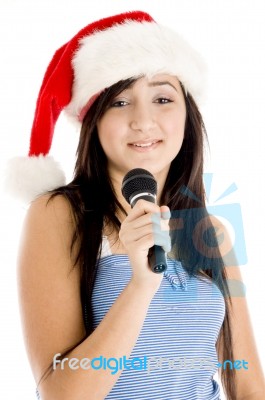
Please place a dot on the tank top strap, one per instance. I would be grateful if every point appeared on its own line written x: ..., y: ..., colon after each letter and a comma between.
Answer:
x: 105, y: 250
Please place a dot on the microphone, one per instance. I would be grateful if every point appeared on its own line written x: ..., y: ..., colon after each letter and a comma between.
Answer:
x: 141, y: 184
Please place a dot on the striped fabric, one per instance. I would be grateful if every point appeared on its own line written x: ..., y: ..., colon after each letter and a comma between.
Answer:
x: 180, y: 329
x: 178, y: 336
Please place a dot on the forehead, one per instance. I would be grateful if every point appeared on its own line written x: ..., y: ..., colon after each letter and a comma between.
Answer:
x: 158, y: 80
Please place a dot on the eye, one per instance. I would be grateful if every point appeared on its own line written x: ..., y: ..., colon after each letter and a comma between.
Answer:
x: 163, y: 100
x: 119, y: 103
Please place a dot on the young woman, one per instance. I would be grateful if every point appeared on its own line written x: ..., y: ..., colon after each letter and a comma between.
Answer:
x: 98, y: 323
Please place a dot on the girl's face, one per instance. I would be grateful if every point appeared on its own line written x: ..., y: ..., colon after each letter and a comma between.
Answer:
x: 144, y: 126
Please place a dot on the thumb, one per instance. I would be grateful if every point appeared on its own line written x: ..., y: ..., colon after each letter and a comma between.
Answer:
x: 165, y: 212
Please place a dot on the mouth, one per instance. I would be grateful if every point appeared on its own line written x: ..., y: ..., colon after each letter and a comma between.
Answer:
x: 144, y: 145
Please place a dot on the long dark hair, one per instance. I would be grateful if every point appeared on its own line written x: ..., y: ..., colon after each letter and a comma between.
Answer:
x: 92, y: 198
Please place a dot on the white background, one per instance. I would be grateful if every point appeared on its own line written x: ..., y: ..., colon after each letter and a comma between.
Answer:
x: 231, y: 36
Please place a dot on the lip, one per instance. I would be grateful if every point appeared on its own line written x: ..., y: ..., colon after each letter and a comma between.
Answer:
x: 154, y: 145
x: 145, y: 141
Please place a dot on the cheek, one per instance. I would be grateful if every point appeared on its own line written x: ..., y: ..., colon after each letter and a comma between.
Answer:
x: 110, y: 140
x: 174, y: 117
x: 108, y: 128
x: 176, y: 130
x: 104, y: 134
x: 106, y: 143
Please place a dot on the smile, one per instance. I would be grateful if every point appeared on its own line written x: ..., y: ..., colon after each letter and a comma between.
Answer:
x: 145, y: 146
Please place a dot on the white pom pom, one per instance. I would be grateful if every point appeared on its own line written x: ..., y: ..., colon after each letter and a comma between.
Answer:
x: 28, y: 177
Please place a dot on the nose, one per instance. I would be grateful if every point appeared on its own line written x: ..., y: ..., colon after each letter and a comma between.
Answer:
x: 142, y: 118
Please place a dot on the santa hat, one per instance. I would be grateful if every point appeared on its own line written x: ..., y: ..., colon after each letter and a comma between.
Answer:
x: 123, y: 46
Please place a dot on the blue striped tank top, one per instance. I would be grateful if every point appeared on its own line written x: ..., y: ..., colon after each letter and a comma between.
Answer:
x: 178, y: 337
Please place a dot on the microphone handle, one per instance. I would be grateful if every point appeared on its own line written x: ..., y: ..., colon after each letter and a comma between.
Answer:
x: 156, y: 255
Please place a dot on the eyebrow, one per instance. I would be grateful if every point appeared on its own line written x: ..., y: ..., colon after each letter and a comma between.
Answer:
x: 161, y: 83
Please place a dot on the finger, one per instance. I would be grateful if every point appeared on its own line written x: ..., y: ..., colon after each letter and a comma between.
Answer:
x: 142, y: 207
x: 165, y: 212
x: 133, y: 235
x: 161, y: 231
x: 141, y: 221
x: 150, y: 238
x: 146, y: 242
x: 160, y: 223
x: 148, y: 219
x: 163, y: 239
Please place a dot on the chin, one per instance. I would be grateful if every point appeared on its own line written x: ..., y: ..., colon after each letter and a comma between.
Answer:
x: 153, y: 169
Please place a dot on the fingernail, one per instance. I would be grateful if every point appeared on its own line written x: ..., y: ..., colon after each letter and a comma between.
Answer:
x: 166, y: 214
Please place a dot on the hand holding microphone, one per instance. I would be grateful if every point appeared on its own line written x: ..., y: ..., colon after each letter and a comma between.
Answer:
x: 145, y: 231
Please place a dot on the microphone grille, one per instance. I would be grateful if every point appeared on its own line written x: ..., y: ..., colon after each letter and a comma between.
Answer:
x: 136, y: 181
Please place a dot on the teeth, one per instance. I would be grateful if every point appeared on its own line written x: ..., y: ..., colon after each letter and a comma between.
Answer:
x: 144, y: 145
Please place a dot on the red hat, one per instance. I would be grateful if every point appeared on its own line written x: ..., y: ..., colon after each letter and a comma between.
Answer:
x: 104, y: 52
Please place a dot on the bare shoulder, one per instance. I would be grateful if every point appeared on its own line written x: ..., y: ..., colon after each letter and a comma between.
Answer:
x: 49, y: 221
x: 217, y: 224
x: 48, y: 209
x: 226, y: 248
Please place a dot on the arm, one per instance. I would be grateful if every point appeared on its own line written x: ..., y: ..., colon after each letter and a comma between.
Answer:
x: 250, y: 382
x: 49, y: 293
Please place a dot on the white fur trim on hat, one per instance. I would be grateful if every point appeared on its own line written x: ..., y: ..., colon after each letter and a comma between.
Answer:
x: 28, y: 177
x: 130, y: 50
